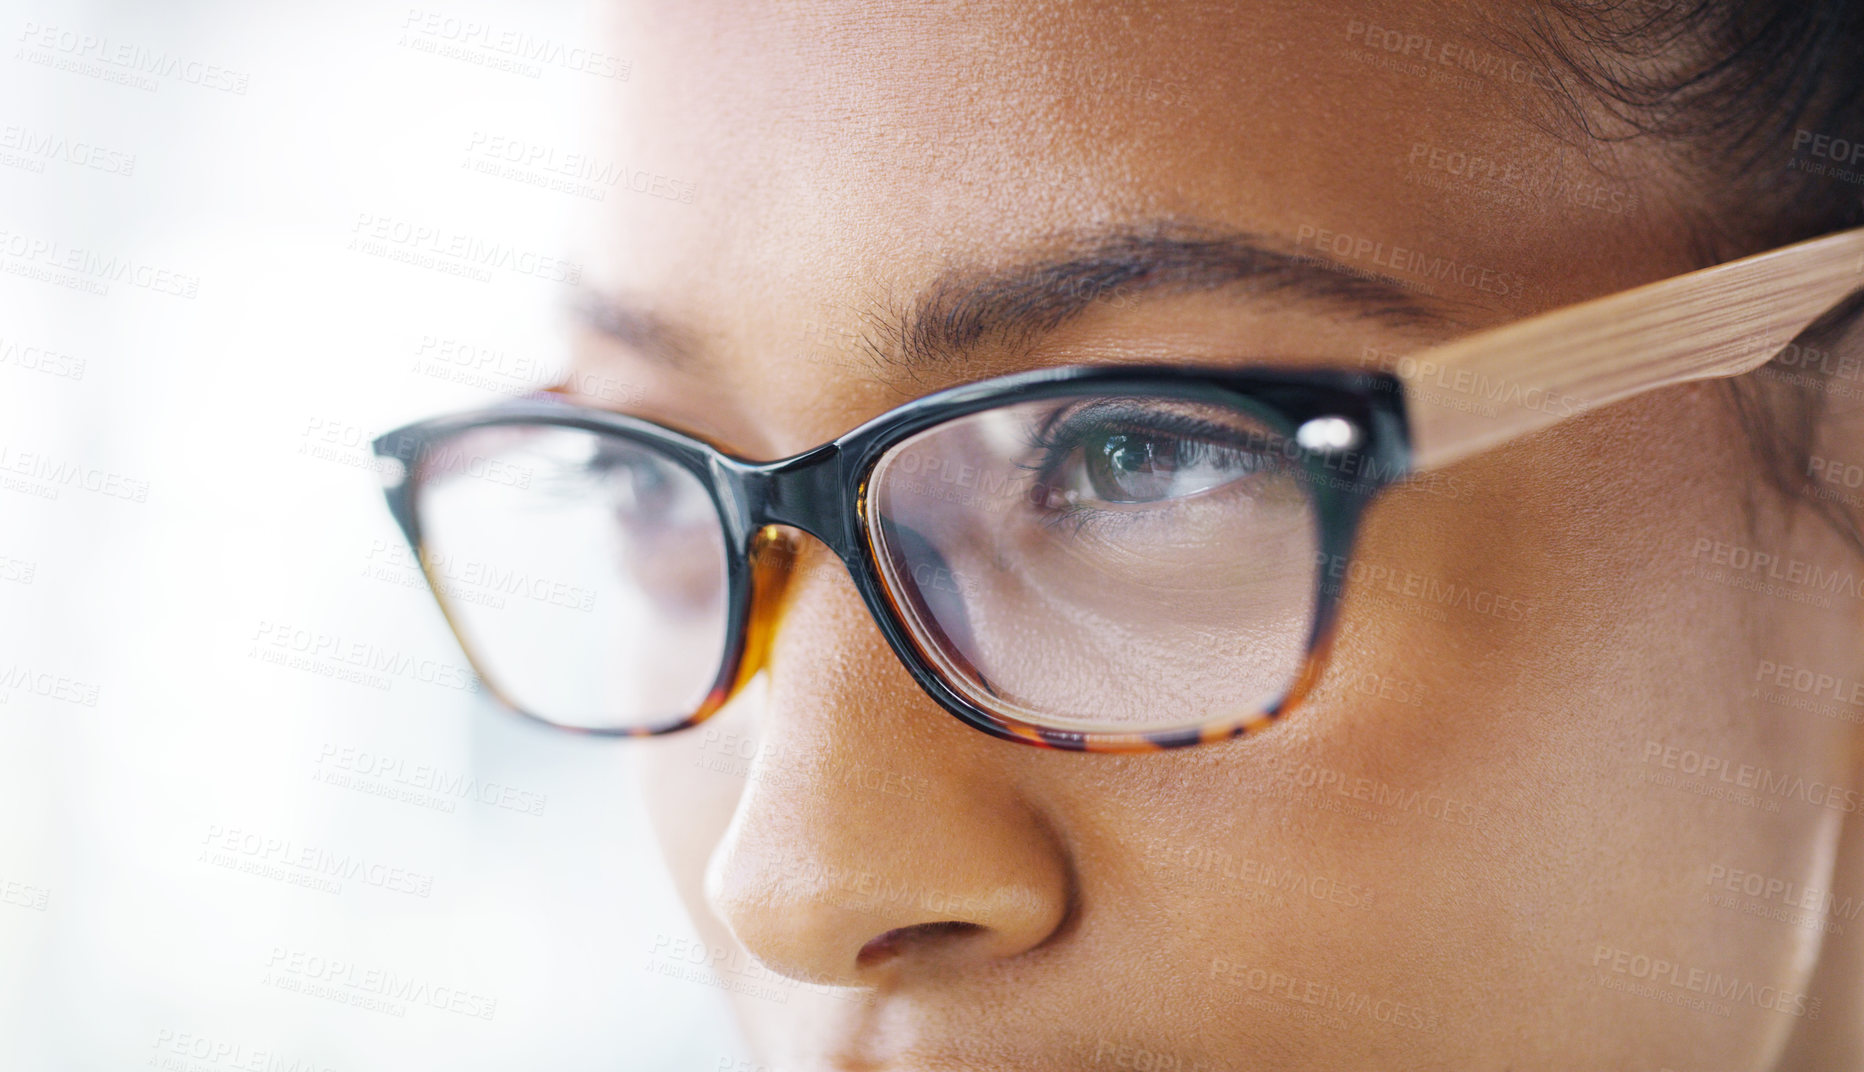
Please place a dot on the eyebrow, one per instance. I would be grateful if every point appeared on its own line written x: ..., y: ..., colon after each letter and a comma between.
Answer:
x: 634, y: 326
x: 964, y: 309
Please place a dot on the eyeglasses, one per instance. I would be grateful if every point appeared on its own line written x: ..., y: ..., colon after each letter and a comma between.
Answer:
x: 1091, y: 558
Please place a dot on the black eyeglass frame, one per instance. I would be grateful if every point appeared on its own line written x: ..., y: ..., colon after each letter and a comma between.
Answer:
x: 823, y: 492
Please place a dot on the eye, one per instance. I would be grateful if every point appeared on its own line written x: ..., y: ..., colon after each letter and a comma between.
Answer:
x: 1140, y: 468
x: 1125, y: 459
x: 637, y: 483
x: 639, y: 488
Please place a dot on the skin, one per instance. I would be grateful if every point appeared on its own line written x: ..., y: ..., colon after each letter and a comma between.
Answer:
x: 961, y: 902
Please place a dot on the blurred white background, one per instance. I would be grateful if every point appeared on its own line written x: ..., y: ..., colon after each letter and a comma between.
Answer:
x: 194, y: 352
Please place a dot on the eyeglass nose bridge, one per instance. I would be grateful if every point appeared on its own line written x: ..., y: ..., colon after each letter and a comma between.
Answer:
x: 806, y: 492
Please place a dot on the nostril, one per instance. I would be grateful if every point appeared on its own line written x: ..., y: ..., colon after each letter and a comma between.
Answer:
x: 885, y: 947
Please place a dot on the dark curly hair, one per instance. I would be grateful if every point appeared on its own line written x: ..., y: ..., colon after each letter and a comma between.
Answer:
x: 1733, y: 93
x: 1726, y: 89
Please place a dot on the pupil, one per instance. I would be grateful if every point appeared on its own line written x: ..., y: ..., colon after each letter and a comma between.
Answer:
x: 1130, y: 470
x: 1127, y: 456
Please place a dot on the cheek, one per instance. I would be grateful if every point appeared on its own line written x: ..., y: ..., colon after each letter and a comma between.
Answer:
x: 691, y: 782
x: 1533, y: 766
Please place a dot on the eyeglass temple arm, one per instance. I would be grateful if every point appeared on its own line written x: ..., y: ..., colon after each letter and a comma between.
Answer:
x: 1474, y: 393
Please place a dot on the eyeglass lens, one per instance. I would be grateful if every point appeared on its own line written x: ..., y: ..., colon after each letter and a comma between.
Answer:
x: 584, y: 572
x: 1102, y: 563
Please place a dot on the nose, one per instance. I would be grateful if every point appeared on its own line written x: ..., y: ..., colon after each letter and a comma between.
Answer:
x: 877, y: 835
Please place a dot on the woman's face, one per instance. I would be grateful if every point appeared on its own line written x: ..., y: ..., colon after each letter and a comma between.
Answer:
x: 1563, y: 798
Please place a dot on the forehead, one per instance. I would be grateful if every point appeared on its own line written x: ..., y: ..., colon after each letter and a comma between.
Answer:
x: 846, y: 140
x: 841, y: 156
